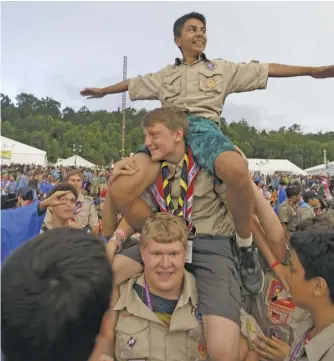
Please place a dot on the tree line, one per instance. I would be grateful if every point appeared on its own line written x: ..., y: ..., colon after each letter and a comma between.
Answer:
x: 44, y: 124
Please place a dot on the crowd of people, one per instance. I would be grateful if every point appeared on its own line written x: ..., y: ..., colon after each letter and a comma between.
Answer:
x: 268, y: 316
x: 219, y: 272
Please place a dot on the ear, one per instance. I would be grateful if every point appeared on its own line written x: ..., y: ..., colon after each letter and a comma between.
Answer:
x: 320, y: 287
x: 177, y: 41
x: 179, y: 134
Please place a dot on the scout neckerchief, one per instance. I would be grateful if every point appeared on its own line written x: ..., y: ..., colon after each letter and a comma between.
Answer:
x: 78, y: 207
x: 162, y: 189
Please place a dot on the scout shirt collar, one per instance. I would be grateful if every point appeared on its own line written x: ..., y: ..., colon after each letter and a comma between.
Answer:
x: 202, y: 57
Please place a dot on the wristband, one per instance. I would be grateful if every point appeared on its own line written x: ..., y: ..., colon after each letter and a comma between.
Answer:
x: 275, y: 264
x: 120, y: 232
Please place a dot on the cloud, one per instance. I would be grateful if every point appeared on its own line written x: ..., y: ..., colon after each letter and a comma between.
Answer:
x: 57, y: 48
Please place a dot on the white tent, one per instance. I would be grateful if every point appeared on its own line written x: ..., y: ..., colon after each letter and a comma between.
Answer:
x: 16, y: 152
x: 321, y: 169
x: 75, y: 160
x: 271, y: 166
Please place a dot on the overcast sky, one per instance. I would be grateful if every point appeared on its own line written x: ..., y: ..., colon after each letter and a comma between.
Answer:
x: 56, y: 48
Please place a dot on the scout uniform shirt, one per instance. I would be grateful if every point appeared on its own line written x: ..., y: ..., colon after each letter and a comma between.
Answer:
x: 318, y: 348
x: 210, y: 215
x: 199, y: 88
x: 142, y: 335
x: 306, y: 212
x: 289, y: 214
x: 85, y: 212
x: 277, y: 315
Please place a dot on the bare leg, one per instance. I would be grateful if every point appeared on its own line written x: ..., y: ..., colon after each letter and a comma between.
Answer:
x: 232, y: 169
x: 222, y: 337
x: 243, y: 349
x: 125, y: 191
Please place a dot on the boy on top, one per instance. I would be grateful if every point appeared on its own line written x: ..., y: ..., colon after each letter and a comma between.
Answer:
x: 199, y: 87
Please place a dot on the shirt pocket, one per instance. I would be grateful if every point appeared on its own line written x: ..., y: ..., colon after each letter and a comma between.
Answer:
x: 196, y: 345
x: 132, y: 339
x: 210, y: 82
x: 171, y: 86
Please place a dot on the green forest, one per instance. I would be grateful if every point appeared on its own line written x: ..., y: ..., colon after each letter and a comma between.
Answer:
x: 44, y: 124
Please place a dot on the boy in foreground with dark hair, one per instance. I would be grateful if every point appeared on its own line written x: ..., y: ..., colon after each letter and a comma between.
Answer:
x: 55, y: 292
x: 311, y: 281
x: 310, y: 275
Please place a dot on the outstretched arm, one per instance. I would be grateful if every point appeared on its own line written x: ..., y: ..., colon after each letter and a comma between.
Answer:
x: 92, y: 93
x: 287, y: 71
x: 142, y: 87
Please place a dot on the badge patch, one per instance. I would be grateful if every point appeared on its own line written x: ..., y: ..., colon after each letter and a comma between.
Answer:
x: 251, y: 327
x: 210, y: 66
x: 277, y: 316
x: 211, y: 83
x: 276, y: 332
x: 131, y: 342
x: 197, y: 314
x: 274, y: 291
x: 202, y: 350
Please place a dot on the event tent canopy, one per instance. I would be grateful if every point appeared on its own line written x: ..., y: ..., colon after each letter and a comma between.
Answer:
x: 16, y: 152
x: 271, y: 166
x: 321, y: 169
x: 75, y: 160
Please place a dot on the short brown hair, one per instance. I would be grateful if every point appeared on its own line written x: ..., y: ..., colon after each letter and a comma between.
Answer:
x: 173, y: 118
x: 72, y: 173
x: 64, y: 187
x: 165, y: 228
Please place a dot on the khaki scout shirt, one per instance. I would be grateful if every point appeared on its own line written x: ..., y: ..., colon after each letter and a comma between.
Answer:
x: 277, y: 317
x: 87, y: 215
x: 319, y: 348
x: 210, y: 215
x: 306, y: 213
x: 289, y: 214
x: 199, y: 88
x: 141, y: 335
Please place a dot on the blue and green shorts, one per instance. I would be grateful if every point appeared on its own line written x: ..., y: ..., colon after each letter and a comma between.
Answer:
x: 206, y: 141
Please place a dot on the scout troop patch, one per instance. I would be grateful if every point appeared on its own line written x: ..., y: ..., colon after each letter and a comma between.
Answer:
x: 274, y: 291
